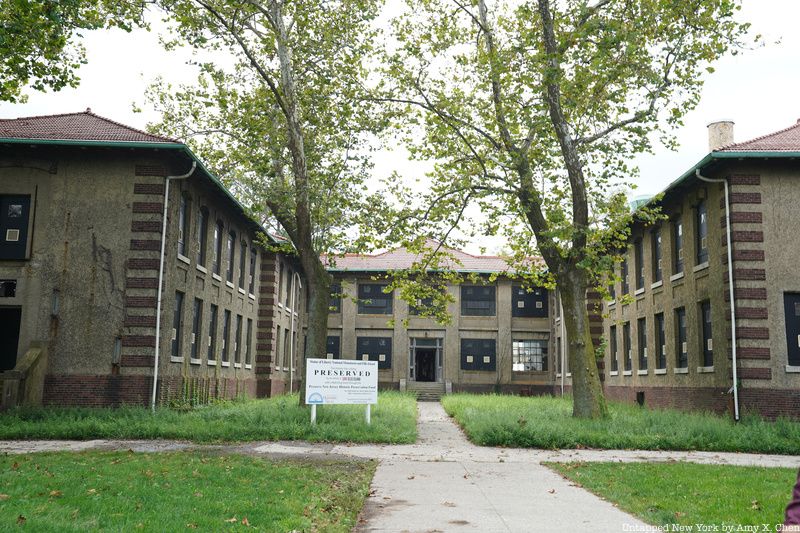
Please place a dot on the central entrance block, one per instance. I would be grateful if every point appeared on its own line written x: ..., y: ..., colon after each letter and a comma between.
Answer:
x: 425, y: 359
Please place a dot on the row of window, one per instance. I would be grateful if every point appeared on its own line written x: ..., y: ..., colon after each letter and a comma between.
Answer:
x: 231, y: 344
x: 218, y: 255
x: 656, y: 252
x: 660, y: 343
x: 528, y: 355
x: 476, y: 300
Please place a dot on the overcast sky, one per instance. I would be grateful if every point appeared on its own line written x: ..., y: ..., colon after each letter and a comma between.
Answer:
x: 757, y: 89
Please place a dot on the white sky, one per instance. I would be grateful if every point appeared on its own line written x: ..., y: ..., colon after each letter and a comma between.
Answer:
x: 757, y: 89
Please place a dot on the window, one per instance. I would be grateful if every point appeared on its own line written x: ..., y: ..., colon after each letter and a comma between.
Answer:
x: 242, y: 264
x: 626, y: 345
x: 183, y: 225
x: 217, y: 267
x: 335, y: 302
x: 529, y: 355
x: 286, y: 348
x: 197, y: 324
x: 626, y: 288
x: 231, y: 255
x: 478, y: 354
x: 226, y: 328
x: 638, y: 254
x: 661, y: 342
x: 333, y: 347
x: 559, y: 355
x: 677, y: 246
x: 478, y: 300
x: 702, y: 233
x: 252, y: 286
x: 612, y: 287
x: 612, y: 343
x: 202, y: 236
x: 708, y: 346
x: 372, y: 300
x: 375, y: 349
x: 641, y: 330
x: 248, y: 355
x: 528, y: 302
x: 278, y: 353
x: 681, y: 348
x: 176, y: 324
x: 14, y: 215
x: 237, y: 344
x: 791, y: 313
x: 658, y: 272
x: 289, y: 287
x: 212, y: 334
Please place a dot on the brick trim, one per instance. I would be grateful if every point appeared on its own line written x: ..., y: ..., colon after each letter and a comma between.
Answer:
x: 743, y: 217
x: 142, y: 264
x: 745, y: 179
x: 752, y: 333
x: 136, y: 361
x: 156, y: 189
x: 743, y: 293
x: 756, y: 274
x: 743, y: 236
x: 146, y: 226
x: 749, y: 313
x: 141, y: 283
x: 145, y: 321
x: 140, y: 301
x: 742, y: 198
x: 150, y: 170
x: 745, y: 255
x: 755, y: 373
x: 148, y: 207
x: 139, y: 341
x: 744, y: 352
x: 145, y: 245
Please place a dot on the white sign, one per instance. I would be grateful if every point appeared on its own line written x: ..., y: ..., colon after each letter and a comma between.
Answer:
x: 342, y: 381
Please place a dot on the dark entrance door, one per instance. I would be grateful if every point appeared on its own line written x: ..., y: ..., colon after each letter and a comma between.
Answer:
x: 791, y: 303
x: 425, y: 364
x: 9, y: 337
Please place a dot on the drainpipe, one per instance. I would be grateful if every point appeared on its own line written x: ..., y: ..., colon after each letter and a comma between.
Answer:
x: 161, y: 277
x: 291, y: 330
x: 730, y: 288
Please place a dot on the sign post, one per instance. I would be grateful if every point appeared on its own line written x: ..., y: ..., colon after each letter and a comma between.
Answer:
x: 341, y: 381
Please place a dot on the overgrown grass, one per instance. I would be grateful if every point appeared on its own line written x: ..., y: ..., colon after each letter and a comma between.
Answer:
x: 689, y: 494
x: 281, y: 418
x: 547, y: 422
x: 177, y: 492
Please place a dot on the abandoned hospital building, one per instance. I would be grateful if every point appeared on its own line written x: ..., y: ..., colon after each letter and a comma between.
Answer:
x: 97, y: 217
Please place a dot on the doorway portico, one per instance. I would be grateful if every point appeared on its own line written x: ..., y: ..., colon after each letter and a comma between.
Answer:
x: 425, y: 359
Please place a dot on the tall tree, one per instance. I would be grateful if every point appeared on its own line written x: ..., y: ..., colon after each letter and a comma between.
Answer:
x: 40, y: 40
x: 533, y: 109
x: 279, y: 113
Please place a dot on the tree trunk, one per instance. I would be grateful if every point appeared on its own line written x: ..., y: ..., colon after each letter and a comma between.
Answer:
x: 587, y: 391
x: 319, y: 289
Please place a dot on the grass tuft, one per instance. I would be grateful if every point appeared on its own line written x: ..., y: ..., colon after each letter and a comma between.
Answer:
x: 281, y: 418
x: 547, y: 422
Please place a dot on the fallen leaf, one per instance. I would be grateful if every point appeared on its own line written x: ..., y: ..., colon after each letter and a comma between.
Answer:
x: 191, y: 525
x: 411, y: 476
x: 679, y: 514
x: 56, y: 493
x: 466, y: 476
x: 15, y: 466
x: 245, y: 522
x: 755, y: 505
x: 198, y: 494
x: 232, y: 520
x: 21, y: 519
x: 551, y: 491
x: 91, y: 491
x: 448, y: 504
x: 4, y: 497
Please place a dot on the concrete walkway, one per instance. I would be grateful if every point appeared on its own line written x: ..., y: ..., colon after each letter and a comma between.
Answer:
x: 444, y: 483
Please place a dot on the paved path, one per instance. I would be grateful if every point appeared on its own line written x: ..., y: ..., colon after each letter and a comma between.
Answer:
x: 444, y: 483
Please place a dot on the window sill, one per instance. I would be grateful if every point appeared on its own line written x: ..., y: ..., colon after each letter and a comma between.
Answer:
x: 612, y: 303
x: 657, y: 284
x: 627, y: 372
x: 242, y: 291
x: 641, y: 372
x: 229, y: 284
x: 614, y: 373
x: 216, y: 277
x: 212, y: 363
x: 791, y: 369
x: 184, y: 259
x: 202, y: 269
x: 680, y: 370
x: 705, y: 369
x: 286, y: 369
x: 252, y: 296
x: 226, y: 363
x: 248, y: 367
x: 638, y: 292
x: 173, y: 359
x: 195, y: 361
x: 660, y: 371
x: 676, y: 277
x: 558, y: 375
x: 569, y: 374
x: 701, y: 266
x: 237, y: 365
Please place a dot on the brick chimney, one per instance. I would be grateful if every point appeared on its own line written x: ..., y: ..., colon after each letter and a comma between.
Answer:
x: 720, y: 133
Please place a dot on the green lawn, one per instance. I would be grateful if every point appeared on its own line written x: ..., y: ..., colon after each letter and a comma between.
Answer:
x: 547, y: 422
x: 393, y: 421
x: 124, y: 491
x: 689, y: 494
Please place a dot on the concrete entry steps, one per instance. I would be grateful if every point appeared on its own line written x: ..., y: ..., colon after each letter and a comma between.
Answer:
x: 430, y: 391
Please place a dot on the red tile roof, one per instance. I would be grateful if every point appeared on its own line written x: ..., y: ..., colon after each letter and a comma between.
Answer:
x: 85, y: 126
x: 401, y: 258
x: 785, y: 140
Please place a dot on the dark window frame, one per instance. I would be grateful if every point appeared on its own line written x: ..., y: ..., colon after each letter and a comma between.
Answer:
x: 219, y: 229
x: 177, y: 325
x: 706, y: 333
x: 473, y: 304
x: 369, y: 304
x: 678, y: 263
x: 248, y: 353
x: 701, y: 232
x: 638, y: 259
x: 627, y: 347
x: 242, y: 263
x: 226, y: 330
x: 657, y: 253
x: 373, y: 348
x: 534, y: 302
x: 661, y: 341
x: 231, y: 249
x: 184, y: 226
x: 333, y: 346
x: 641, y: 342
x: 479, y: 349
x: 197, y: 329
x: 625, y: 275
x: 681, y: 339
x: 15, y: 222
x: 202, y: 236
x: 251, y: 287
x: 212, y: 333
x: 613, y: 347
x: 531, y: 354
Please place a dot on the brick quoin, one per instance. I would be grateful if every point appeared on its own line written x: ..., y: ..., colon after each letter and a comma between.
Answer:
x: 136, y: 341
x: 742, y: 198
x: 148, y: 207
x: 744, y: 236
x: 142, y: 264
x: 745, y: 179
x: 741, y: 293
x: 743, y: 352
x: 150, y: 170
x: 146, y: 226
x: 743, y: 217
x: 145, y: 244
x: 757, y: 274
x: 156, y: 189
x: 140, y: 321
x: 751, y: 313
x: 136, y: 361
x: 755, y: 373
x: 752, y: 333
x: 141, y: 283
x: 140, y: 301
x: 745, y: 255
